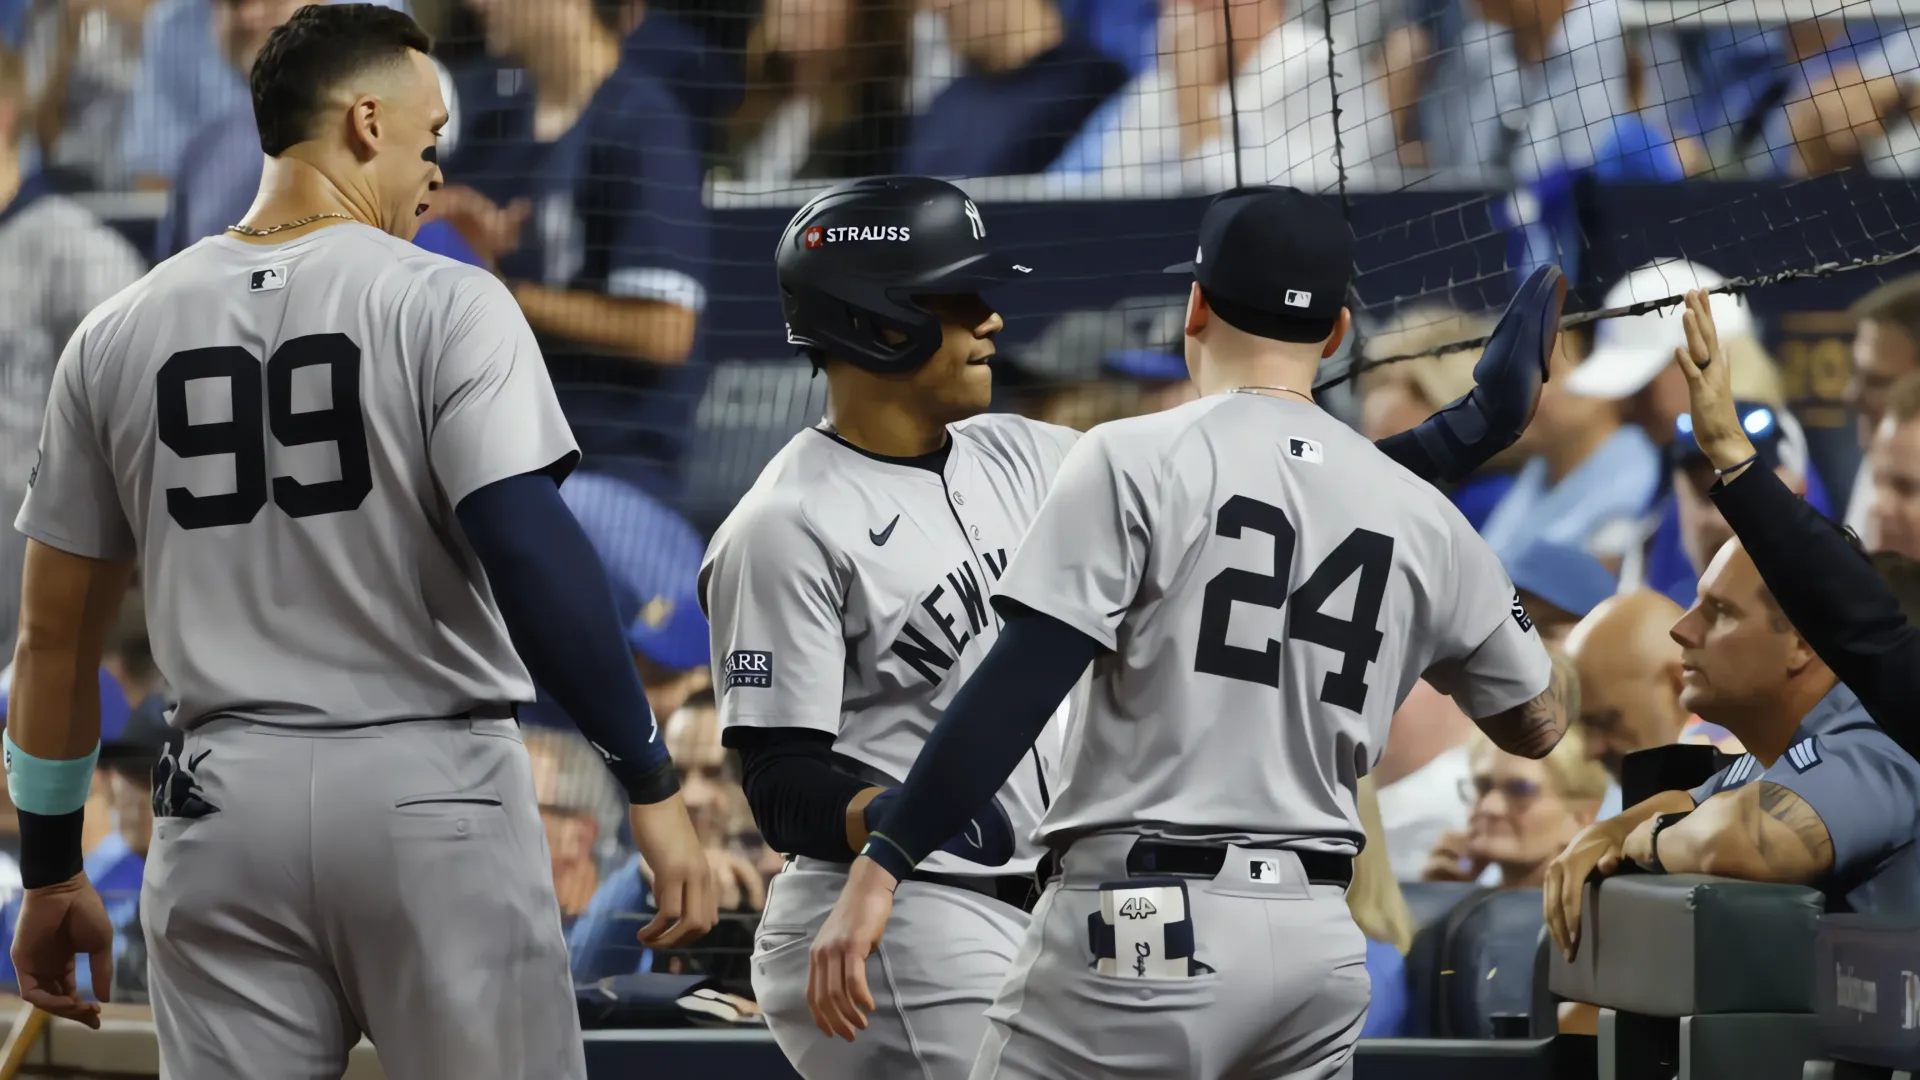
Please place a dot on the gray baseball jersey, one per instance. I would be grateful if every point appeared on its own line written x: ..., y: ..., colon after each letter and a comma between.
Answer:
x: 280, y: 434
x: 1270, y: 586
x: 847, y: 593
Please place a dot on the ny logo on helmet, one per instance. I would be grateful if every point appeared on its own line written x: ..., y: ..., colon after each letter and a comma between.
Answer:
x: 973, y: 218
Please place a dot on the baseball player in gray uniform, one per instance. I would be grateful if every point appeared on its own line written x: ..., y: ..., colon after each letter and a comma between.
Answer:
x: 335, y: 459
x: 848, y: 598
x: 1257, y: 587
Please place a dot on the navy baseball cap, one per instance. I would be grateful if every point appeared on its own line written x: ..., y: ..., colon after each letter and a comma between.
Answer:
x: 1762, y: 424
x: 1566, y: 577
x: 652, y: 558
x: 1275, y: 262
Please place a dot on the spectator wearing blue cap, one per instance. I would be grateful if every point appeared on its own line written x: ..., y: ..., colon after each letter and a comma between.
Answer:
x: 652, y: 558
x: 1558, y: 586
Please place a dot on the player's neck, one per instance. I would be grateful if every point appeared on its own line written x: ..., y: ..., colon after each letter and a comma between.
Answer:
x: 887, y: 428
x: 1271, y: 369
x: 292, y: 189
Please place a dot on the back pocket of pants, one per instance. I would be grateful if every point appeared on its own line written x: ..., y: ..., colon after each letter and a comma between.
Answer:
x: 448, y: 798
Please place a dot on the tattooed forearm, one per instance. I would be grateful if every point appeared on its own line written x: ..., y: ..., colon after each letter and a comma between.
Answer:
x: 1789, y: 837
x: 1533, y: 729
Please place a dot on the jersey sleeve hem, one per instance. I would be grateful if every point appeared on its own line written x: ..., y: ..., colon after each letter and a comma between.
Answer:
x: 771, y: 721
x: 557, y: 469
x: 105, y: 552
x: 1092, y: 627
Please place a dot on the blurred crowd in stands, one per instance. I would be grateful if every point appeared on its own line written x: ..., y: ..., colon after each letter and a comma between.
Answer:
x: 588, y: 138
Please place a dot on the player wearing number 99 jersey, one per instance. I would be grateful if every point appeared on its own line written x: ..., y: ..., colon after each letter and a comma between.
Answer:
x: 335, y: 459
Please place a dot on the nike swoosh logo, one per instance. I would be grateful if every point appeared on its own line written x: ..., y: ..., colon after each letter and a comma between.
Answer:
x: 880, y: 538
x: 973, y: 835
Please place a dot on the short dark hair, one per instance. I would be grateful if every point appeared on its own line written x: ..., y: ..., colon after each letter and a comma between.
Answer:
x: 311, y: 53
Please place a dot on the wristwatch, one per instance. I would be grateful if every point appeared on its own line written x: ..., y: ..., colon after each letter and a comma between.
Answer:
x: 1653, y: 842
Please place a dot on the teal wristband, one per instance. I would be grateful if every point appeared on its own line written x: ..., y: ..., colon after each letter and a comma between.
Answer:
x: 46, y: 786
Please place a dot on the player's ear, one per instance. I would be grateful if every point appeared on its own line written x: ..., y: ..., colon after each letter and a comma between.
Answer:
x: 1339, y: 334
x: 364, y: 123
x: 1197, y: 311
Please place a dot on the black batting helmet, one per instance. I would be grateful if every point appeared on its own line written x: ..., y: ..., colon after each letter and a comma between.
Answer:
x: 853, y: 259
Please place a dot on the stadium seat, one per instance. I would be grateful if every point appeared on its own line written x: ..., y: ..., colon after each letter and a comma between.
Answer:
x: 1488, y: 962
x: 1430, y: 902
x: 750, y: 410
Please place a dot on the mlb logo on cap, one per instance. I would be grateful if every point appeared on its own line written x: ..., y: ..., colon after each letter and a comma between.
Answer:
x: 816, y: 236
x: 273, y: 277
x: 1299, y: 298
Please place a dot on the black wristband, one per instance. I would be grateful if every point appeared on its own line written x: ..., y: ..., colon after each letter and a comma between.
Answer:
x: 646, y: 786
x: 50, y: 848
x: 1660, y: 824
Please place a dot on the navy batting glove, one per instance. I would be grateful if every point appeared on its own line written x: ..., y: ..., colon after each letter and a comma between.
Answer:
x: 987, y: 839
x: 1461, y: 437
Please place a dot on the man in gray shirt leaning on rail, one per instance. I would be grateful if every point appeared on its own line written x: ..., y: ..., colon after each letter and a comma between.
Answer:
x: 1824, y: 799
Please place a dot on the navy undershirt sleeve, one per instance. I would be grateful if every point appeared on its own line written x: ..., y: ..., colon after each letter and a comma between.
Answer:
x: 994, y: 719
x: 558, y: 607
x: 798, y: 797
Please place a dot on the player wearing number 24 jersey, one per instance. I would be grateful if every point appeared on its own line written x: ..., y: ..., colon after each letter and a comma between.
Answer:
x: 848, y: 596
x: 335, y: 459
x: 1255, y: 588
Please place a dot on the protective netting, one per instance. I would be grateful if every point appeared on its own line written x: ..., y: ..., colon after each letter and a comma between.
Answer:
x: 628, y: 166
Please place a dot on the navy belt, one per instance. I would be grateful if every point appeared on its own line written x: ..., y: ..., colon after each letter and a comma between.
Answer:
x: 1150, y: 858
x: 1013, y: 890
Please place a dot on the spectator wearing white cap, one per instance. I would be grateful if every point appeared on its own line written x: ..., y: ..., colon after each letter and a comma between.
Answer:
x: 1632, y: 358
x: 1632, y: 363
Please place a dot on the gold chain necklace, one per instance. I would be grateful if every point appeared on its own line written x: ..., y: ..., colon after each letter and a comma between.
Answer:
x: 1275, y: 389
x: 248, y: 230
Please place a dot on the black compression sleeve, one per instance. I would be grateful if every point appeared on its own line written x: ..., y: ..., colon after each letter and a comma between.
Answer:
x: 994, y: 719
x: 554, y: 597
x: 799, y: 799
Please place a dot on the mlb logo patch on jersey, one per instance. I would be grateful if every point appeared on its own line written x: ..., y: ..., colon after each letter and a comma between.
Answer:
x: 1804, y: 754
x: 268, y: 279
x: 1266, y: 871
x: 1520, y: 615
x: 1304, y: 450
x: 749, y: 667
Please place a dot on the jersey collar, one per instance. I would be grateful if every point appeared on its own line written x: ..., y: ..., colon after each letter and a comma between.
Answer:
x: 934, y: 462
